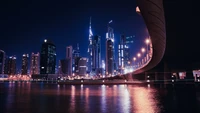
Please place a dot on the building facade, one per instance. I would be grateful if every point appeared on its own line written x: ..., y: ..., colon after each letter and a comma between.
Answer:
x: 48, y: 58
x: 10, y: 65
x: 35, y: 64
x: 2, y: 61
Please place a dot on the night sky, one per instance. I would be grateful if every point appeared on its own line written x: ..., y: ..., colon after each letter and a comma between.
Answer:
x: 25, y: 24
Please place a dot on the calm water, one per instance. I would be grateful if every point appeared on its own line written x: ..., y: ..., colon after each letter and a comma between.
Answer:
x: 52, y: 98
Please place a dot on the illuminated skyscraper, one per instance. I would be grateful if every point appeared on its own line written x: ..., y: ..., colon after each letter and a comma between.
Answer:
x: 48, y: 58
x: 24, y: 70
x: 35, y: 63
x: 123, y: 51
x: 96, y: 54
x: 89, y: 61
x: 10, y: 65
x: 82, y: 66
x: 2, y: 61
x: 76, y: 56
x: 110, y: 59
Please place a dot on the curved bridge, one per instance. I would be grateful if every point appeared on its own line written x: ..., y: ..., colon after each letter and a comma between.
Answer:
x: 153, y: 13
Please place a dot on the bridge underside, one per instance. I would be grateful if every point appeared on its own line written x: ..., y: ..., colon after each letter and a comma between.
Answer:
x: 153, y: 15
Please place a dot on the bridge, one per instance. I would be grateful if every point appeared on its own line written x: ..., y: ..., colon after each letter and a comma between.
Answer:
x: 152, y: 12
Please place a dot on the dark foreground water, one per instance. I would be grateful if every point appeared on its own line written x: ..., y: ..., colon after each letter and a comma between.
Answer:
x: 23, y: 97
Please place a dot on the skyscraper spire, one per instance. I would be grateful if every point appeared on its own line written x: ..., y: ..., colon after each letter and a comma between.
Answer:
x: 90, y: 30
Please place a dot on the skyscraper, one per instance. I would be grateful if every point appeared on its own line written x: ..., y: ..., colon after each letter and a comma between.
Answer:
x: 69, y: 60
x: 35, y: 60
x: 89, y: 61
x: 76, y: 54
x: 24, y: 70
x: 2, y: 61
x: 110, y: 58
x: 82, y: 66
x: 10, y: 65
x: 123, y: 51
x: 96, y: 54
x: 48, y: 58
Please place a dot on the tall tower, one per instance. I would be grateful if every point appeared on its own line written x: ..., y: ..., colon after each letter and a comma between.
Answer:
x: 96, y: 54
x: 48, y: 58
x: 123, y: 52
x: 76, y: 57
x: 2, y: 61
x: 24, y: 70
x: 89, y: 61
x: 35, y: 63
x: 69, y: 60
x: 110, y: 59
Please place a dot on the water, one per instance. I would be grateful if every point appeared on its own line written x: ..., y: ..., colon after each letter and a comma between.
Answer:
x: 26, y: 97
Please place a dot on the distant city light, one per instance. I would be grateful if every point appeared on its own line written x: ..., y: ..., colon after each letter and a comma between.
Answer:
x: 45, y: 40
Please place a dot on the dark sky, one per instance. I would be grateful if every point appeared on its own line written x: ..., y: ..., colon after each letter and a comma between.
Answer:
x: 25, y: 24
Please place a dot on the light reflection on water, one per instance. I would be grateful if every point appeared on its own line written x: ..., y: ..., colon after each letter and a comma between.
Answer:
x: 52, y: 98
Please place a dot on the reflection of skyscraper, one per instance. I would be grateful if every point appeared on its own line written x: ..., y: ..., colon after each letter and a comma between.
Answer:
x: 35, y: 66
x: 10, y: 65
x: 2, y: 61
x: 24, y: 70
x: 89, y: 61
x: 69, y: 60
x: 48, y: 58
x: 110, y: 58
x: 96, y: 53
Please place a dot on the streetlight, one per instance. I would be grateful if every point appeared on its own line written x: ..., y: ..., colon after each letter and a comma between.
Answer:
x: 139, y: 55
x: 143, y: 50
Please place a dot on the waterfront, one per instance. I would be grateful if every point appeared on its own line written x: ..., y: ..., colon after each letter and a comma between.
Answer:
x: 28, y: 97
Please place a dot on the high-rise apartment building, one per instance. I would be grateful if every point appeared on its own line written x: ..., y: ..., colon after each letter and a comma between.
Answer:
x: 48, y: 58
x: 2, y: 61
x: 35, y: 64
x: 24, y: 70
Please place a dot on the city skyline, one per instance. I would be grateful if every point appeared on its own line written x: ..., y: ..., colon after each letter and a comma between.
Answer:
x: 61, y: 30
